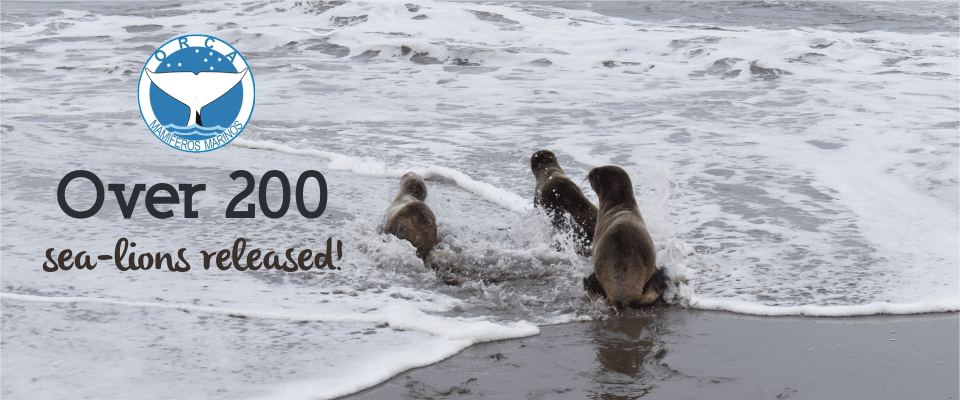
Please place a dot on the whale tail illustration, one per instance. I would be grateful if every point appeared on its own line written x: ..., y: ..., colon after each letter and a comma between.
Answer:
x: 195, y: 90
x: 195, y: 113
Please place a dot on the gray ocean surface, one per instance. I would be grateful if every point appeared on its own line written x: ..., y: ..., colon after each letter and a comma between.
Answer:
x: 922, y: 17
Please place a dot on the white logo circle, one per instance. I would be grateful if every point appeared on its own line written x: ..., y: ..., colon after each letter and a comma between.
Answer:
x: 196, y: 93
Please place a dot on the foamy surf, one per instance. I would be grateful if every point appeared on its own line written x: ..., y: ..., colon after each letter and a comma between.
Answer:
x: 671, y: 255
x: 398, y: 317
x: 356, y: 165
x: 742, y: 307
x: 353, y: 373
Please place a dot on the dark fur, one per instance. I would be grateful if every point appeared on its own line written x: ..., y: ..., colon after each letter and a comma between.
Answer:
x: 409, y: 218
x: 624, y: 257
x: 557, y: 194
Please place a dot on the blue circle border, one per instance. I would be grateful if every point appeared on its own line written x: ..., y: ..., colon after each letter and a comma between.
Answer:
x: 252, y: 80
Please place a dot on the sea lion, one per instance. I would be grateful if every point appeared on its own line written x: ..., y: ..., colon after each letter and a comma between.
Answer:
x: 624, y: 257
x: 409, y: 218
x: 557, y: 194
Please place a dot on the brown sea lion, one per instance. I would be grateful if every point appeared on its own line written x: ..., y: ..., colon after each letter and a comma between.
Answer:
x: 624, y: 257
x: 557, y: 194
x: 409, y: 218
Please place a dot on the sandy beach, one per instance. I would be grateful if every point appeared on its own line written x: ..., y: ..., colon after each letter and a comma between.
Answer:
x: 677, y: 353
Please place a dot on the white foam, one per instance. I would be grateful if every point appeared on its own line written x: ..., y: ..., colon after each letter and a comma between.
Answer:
x: 352, y: 372
x: 399, y: 317
x: 387, y: 365
x: 340, y: 162
x: 743, y: 307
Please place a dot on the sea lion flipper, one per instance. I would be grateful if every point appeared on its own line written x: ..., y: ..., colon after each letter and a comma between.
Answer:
x: 653, y: 290
x: 593, y: 287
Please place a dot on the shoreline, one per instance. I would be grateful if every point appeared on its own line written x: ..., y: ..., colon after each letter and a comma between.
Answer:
x: 673, y: 352
x: 944, y: 305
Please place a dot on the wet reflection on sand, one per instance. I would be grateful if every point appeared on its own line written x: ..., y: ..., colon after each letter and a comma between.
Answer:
x: 671, y: 352
x: 630, y: 351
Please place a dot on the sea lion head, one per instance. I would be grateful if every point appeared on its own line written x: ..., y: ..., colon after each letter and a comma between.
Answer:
x: 413, y: 185
x: 612, y: 185
x: 543, y: 159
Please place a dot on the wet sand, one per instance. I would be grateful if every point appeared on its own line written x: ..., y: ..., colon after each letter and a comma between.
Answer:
x: 676, y: 353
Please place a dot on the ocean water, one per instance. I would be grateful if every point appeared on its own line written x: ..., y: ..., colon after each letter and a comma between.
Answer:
x: 789, y: 158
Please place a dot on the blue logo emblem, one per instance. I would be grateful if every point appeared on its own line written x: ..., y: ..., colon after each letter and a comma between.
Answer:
x: 196, y: 93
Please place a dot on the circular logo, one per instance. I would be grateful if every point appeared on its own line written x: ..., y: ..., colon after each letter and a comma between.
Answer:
x: 196, y: 93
